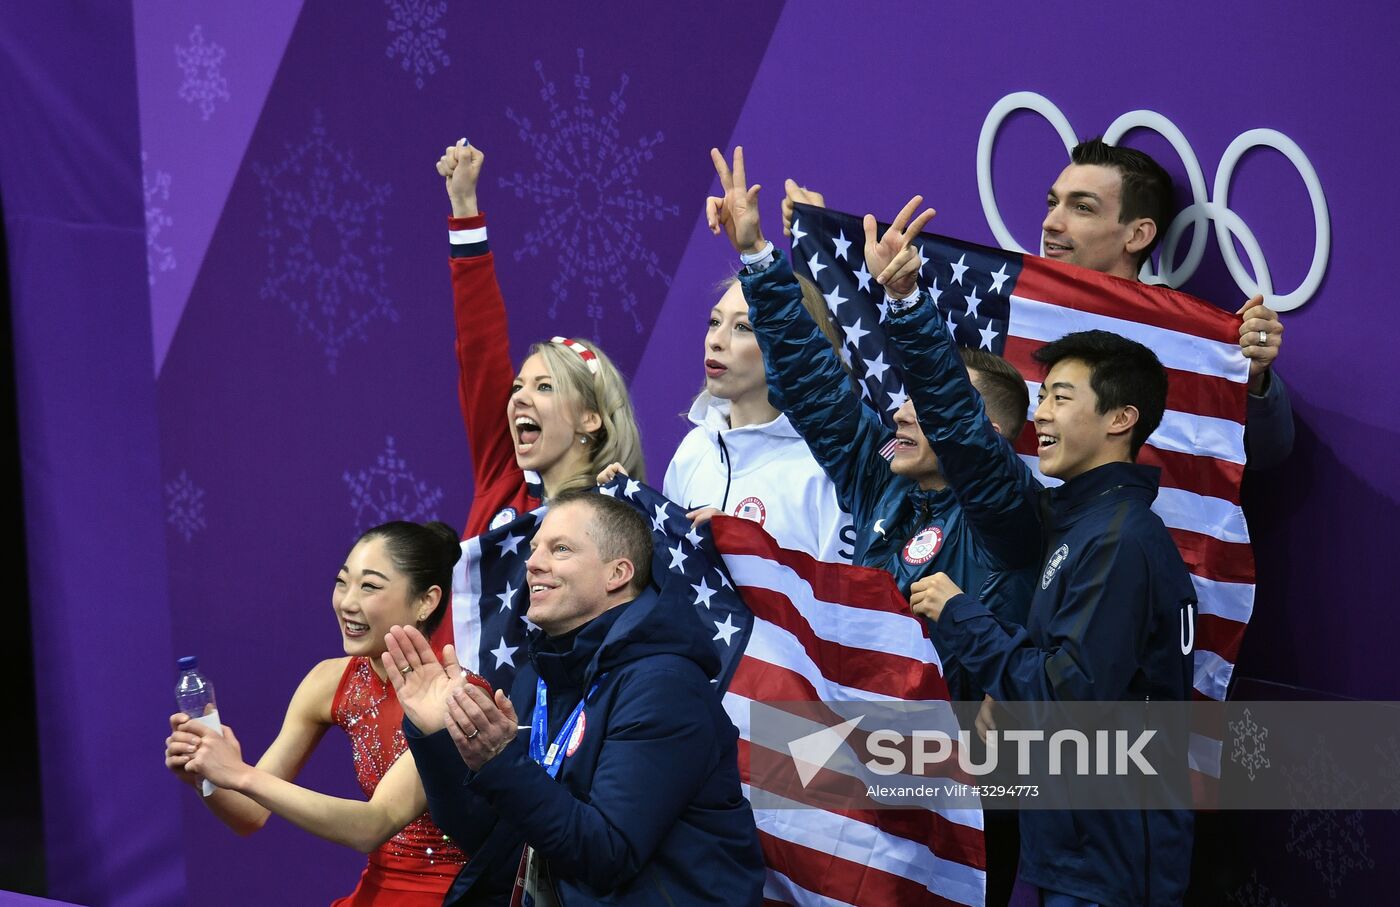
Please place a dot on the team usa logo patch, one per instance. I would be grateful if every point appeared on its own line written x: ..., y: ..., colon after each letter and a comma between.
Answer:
x: 577, y: 736
x: 751, y: 509
x: 505, y: 516
x: 1053, y: 565
x: 923, y: 546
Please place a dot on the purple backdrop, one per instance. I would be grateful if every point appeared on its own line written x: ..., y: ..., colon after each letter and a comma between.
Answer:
x: 210, y: 407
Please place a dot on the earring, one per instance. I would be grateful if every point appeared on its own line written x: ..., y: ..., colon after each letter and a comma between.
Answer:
x: 583, y: 439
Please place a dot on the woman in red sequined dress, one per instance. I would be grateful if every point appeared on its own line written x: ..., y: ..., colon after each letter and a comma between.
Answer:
x: 397, y: 574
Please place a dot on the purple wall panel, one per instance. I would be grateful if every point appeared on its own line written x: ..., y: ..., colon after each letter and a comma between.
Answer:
x: 307, y: 389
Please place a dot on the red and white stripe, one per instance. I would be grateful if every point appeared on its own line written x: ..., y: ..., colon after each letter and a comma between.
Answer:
x: 829, y: 633
x: 1199, y: 445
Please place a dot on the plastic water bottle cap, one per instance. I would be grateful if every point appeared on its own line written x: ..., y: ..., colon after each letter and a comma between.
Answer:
x: 187, y: 663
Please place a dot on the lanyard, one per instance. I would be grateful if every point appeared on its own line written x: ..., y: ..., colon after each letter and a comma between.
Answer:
x: 553, y: 758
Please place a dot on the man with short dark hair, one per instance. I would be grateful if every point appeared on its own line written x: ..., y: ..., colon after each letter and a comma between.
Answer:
x: 1109, y: 616
x: 626, y: 790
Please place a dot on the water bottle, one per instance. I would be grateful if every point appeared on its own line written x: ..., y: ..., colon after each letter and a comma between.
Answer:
x: 194, y: 695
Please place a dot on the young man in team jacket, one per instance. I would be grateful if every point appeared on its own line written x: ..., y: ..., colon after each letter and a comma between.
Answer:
x: 1106, y: 616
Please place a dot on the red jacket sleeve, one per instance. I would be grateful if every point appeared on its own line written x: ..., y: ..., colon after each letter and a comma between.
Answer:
x: 484, y: 374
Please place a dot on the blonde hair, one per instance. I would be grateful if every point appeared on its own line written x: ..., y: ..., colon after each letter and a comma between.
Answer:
x: 617, y: 439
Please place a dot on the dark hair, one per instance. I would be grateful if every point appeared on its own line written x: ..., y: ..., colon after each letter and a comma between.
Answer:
x: 618, y: 530
x: 1002, y: 388
x: 426, y: 554
x: 1122, y: 372
x: 1147, y: 188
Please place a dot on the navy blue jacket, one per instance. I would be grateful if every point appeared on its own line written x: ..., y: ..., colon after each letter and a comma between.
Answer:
x: 648, y: 810
x: 976, y: 546
x: 1111, y: 620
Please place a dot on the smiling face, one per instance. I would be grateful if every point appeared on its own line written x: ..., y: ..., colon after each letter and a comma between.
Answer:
x: 1081, y: 224
x: 570, y: 583
x: 370, y: 597
x: 913, y: 458
x: 1072, y: 437
x: 733, y: 360
x: 545, y: 425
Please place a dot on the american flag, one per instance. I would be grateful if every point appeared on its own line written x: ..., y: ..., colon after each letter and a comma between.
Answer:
x: 490, y: 598
x: 824, y: 633
x: 1011, y: 304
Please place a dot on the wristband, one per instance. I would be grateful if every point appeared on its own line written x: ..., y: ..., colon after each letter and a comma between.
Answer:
x: 754, y: 262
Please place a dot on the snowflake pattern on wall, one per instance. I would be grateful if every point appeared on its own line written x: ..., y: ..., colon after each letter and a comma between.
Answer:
x: 184, y: 505
x: 324, y: 229
x: 156, y: 188
x: 1255, y: 893
x: 1333, y: 841
x: 389, y: 490
x: 417, y: 36
x: 595, y: 215
x: 201, y: 64
x: 1249, y: 744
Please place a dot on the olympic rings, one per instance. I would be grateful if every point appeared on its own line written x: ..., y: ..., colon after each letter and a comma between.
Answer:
x: 1204, y: 207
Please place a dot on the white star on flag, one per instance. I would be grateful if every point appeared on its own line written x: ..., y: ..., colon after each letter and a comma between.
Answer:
x: 884, y: 308
x: 959, y: 269
x: 952, y: 325
x: 797, y: 234
x: 854, y: 333
x: 505, y: 655
x: 693, y: 536
x: 999, y: 277
x: 703, y: 592
x: 897, y: 399
x: 815, y: 265
x: 632, y: 487
x: 934, y: 291
x: 989, y: 334
x: 973, y: 301
x: 863, y: 276
x: 507, y: 597
x: 610, y: 492
x: 658, y: 522
x: 725, y: 630
x: 834, y: 299
x: 678, y: 557
x: 842, y: 244
x: 876, y: 368
x: 511, y: 543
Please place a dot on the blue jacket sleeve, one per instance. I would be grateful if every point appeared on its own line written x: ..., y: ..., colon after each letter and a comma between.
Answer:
x: 996, y: 490
x: 1093, y: 641
x: 843, y: 434
x: 1268, y: 426
x: 654, y: 759
x: 466, y: 817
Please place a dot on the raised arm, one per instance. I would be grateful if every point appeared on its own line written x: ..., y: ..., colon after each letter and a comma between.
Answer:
x: 844, y: 436
x: 484, y: 370
x: 1268, y: 427
x: 997, y: 491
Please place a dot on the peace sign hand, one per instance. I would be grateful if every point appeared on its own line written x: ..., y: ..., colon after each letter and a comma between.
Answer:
x: 892, y: 258
x: 737, y: 211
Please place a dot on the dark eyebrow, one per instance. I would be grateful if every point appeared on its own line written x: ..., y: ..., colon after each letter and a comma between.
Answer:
x: 378, y: 574
x: 1062, y: 384
x: 1082, y: 194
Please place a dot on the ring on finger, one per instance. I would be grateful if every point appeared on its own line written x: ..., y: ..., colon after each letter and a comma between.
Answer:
x: 1263, y: 338
x: 473, y: 733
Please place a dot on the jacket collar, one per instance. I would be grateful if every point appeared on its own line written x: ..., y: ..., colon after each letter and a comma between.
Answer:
x: 1103, y: 484
x: 712, y: 414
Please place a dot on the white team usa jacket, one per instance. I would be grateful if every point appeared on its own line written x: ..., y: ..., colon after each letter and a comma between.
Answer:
x: 763, y: 473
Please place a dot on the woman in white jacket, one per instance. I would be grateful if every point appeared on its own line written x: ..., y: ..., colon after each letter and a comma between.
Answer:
x: 743, y: 457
